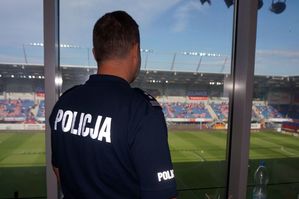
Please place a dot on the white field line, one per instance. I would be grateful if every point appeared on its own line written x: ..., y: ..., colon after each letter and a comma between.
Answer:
x: 284, y: 150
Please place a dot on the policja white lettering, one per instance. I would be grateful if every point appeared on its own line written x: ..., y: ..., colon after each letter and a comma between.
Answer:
x: 74, y: 131
x: 85, y: 131
x: 95, y: 133
x: 165, y: 175
x: 58, y: 118
x: 106, y: 130
x: 68, y: 120
x: 80, y: 123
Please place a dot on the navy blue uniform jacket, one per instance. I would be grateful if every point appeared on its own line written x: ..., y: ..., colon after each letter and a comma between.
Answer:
x: 110, y: 141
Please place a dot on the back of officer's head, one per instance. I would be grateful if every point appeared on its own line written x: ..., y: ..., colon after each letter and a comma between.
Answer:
x: 114, y: 35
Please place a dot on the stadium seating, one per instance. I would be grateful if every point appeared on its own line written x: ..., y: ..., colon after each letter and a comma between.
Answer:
x: 221, y: 109
x: 268, y: 111
x: 30, y: 111
x: 288, y: 111
x: 15, y: 110
x: 41, y: 109
x: 185, y: 110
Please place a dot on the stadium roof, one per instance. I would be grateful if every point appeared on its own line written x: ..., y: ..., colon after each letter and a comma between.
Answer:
x: 80, y: 74
x: 271, y: 63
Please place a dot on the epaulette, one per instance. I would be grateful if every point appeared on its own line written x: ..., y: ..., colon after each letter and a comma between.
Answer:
x: 149, y: 98
x: 65, y: 92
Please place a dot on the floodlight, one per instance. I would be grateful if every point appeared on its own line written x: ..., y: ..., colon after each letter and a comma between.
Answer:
x: 229, y: 3
x: 146, y: 50
x: 278, y: 6
x: 204, y: 1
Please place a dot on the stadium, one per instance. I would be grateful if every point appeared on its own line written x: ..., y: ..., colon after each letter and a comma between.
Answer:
x: 225, y: 74
x: 195, y: 104
x: 196, y: 97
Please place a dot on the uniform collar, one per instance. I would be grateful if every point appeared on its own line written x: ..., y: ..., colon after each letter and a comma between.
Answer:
x: 98, y: 78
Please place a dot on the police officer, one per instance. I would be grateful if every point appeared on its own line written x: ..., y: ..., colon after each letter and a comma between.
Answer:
x: 108, y: 139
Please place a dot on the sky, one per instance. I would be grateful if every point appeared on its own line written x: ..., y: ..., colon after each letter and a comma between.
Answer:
x: 168, y: 28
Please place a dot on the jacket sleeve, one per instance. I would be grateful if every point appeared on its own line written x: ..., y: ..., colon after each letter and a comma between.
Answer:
x: 151, y: 156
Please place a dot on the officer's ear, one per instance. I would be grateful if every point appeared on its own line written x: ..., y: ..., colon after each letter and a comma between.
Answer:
x: 94, y: 54
x: 136, y: 58
x: 136, y: 52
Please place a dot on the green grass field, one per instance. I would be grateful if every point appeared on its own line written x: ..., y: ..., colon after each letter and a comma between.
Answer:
x: 198, y: 157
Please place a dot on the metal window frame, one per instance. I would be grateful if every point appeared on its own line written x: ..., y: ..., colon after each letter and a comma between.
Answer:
x: 51, y: 70
x: 243, y: 59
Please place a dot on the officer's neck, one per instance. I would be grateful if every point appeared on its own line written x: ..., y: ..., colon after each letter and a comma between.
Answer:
x: 117, y: 67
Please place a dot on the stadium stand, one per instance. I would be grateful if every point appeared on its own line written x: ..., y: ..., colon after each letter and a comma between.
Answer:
x: 41, y: 109
x: 186, y: 95
x: 15, y: 110
x: 268, y: 111
x: 181, y: 103
x: 185, y: 110
x: 287, y: 111
x: 220, y: 109
x: 32, y: 109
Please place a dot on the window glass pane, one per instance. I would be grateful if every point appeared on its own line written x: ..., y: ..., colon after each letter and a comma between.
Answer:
x: 274, y: 129
x: 186, y: 53
x: 22, y: 148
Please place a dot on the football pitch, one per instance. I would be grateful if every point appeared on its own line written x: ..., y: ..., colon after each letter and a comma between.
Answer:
x: 199, y: 159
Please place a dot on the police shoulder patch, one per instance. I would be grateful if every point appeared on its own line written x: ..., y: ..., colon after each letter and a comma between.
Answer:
x: 148, y: 97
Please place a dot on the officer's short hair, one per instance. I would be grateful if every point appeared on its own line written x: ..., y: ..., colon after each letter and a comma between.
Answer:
x: 114, y: 34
